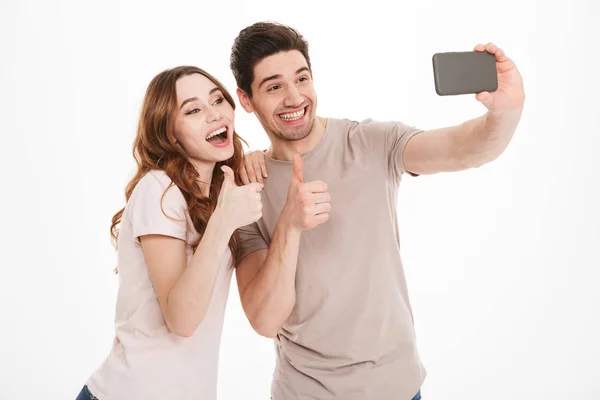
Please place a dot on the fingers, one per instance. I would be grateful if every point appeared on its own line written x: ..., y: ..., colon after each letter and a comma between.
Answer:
x: 498, y: 52
x: 320, y: 218
x: 489, y: 47
x: 250, y: 169
x: 316, y: 208
x: 492, y: 49
x: 259, y: 164
x: 298, y: 168
x: 315, y: 220
x: 253, y: 167
x: 319, y: 209
x: 308, y: 199
x: 314, y: 187
x: 318, y: 198
x: 316, y: 215
x: 244, y: 175
x: 263, y: 165
x: 258, y: 171
x: 500, y: 56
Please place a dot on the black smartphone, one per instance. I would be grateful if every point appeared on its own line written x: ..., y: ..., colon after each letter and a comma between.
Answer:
x: 464, y: 72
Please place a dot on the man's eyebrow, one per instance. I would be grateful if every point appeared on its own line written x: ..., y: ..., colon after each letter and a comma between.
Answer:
x: 279, y: 76
x: 269, y: 78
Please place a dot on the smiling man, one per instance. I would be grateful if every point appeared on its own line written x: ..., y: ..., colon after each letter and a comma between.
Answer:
x: 321, y: 272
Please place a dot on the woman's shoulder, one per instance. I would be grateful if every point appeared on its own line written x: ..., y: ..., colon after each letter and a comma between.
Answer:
x: 157, y: 184
x: 155, y: 180
x: 157, y: 206
x: 155, y: 177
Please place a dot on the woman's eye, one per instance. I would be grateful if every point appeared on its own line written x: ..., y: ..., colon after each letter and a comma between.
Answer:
x: 194, y: 111
x: 218, y: 101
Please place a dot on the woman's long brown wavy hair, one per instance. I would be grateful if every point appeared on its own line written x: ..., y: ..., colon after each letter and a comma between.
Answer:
x: 155, y: 148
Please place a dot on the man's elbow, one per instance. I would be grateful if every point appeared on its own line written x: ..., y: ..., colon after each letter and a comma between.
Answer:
x: 268, y: 330
x: 478, y: 160
x: 267, y: 324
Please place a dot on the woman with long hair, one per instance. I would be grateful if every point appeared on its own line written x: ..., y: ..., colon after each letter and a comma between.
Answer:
x: 176, y: 239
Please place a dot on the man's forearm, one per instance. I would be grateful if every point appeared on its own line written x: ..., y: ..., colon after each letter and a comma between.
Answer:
x: 483, y: 139
x: 270, y: 297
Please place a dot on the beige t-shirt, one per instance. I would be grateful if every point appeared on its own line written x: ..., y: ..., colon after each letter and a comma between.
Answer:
x: 147, y: 361
x: 350, y: 335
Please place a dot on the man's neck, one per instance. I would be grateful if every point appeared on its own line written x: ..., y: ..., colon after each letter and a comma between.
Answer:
x: 284, y: 149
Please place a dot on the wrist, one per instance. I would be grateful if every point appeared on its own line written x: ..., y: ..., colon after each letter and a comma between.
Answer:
x: 507, y: 115
x: 219, y: 225
x: 286, y: 222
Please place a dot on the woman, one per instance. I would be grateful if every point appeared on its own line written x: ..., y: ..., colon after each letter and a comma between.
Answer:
x: 175, y: 242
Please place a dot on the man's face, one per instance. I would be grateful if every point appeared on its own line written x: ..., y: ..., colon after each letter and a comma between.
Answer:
x: 283, y: 96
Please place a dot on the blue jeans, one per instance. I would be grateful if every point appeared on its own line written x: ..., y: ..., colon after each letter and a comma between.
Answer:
x: 85, y: 394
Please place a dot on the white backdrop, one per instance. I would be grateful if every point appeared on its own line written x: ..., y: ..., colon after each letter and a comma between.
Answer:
x: 501, y: 264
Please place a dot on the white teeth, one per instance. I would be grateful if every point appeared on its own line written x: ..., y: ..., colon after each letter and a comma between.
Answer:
x: 217, y: 132
x: 292, y: 116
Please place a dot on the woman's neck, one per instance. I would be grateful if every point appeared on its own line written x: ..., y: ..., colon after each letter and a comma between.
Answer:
x: 205, y: 172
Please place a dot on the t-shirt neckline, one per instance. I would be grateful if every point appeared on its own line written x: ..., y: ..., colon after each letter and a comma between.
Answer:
x: 309, y: 153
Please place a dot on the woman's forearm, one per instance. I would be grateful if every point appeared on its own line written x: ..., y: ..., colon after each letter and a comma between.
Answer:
x: 190, y: 297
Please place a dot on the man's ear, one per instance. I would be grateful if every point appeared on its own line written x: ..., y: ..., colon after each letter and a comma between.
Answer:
x: 244, y: 100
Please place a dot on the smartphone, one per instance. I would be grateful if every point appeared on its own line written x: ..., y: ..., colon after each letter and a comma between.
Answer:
x: 464, y: 72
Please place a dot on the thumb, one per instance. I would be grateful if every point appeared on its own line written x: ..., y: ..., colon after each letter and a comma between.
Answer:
x: 255, y: 187
x: 486, y: 99
x: 229, y: 180
x: 298, y: 167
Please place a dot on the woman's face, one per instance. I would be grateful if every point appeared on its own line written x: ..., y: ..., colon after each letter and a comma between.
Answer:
x: 204, y: 120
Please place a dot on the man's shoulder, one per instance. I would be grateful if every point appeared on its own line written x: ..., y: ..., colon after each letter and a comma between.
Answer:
x: 341, y: 122
x: 350, y: 125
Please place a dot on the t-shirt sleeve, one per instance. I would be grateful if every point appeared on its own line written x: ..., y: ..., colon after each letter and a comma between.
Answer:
x: 387, y: 141
x: 250, y: 240
x: 157, y: 208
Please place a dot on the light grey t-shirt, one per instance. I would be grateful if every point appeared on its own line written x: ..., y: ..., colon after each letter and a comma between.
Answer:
x: 350, y: 335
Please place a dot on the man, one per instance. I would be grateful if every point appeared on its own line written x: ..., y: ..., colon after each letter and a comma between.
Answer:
x: 321, y: 271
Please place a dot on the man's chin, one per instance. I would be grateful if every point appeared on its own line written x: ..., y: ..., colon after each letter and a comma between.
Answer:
x: 295, y: 133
